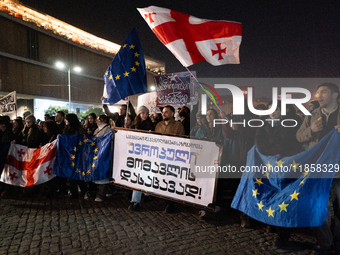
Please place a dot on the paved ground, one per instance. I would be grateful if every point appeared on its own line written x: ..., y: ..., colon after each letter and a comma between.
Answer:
x: 64, y: 226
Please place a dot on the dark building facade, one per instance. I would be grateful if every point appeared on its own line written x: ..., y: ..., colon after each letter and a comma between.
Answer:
x: 29, y: 52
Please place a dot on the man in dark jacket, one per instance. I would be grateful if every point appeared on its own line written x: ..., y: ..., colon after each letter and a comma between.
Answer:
x: 184, y: 114
x: 313, y: 129
x: 119, y: 117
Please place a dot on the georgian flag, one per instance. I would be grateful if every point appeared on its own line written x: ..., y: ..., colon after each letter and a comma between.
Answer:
x: 27, y: 167
x: 192, y: 40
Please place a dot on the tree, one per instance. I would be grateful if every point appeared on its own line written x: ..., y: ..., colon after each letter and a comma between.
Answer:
x: 97, y: 111
x: 52, y: 110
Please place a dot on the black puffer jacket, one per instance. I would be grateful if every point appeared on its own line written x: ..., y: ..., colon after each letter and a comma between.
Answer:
x: 144, y: 125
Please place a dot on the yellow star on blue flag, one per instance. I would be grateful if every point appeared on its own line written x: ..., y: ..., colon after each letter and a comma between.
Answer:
x: 90, y: 161
x: 288, y: 196
x: 124, y: 65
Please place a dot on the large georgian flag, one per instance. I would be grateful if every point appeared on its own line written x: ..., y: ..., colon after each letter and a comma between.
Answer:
x: 192, y: 39
x: 27, y: 167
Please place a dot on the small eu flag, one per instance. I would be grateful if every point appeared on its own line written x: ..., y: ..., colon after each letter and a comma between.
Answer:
x: 83, y: 158
x: 126, y: 75
x: 294, y: 190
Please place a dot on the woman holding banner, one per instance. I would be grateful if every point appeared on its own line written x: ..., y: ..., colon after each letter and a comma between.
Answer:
x: 142, y: 122
x: 73, y: 127
x: 32, y: 137
x: 209, y: 131
x: 103, y: 122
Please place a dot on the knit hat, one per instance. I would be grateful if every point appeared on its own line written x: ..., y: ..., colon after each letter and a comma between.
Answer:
x: 31, y: 118
x: 142, y: 109
x: 25, y: 114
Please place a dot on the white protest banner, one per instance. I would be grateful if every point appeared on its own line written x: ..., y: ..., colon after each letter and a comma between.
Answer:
x: 8, y: 104
x: 164, y: 165
x: 149, y: 101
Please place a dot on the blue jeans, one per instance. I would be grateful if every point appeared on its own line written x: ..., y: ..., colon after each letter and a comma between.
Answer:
x: 136, y: 196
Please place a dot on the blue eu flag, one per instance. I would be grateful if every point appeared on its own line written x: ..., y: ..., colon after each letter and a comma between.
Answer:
x: 126, y: 75
x: 83, y: 158
x: 294, y: 191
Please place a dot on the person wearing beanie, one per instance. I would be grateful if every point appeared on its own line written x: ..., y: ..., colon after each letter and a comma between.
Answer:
x: 31, y: 118
x: 32, y: 135
x: 142, y: 122
x: 142, y: 109
x: 25, y: 114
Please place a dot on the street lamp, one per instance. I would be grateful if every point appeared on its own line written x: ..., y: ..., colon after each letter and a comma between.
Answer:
x: 61, y: 65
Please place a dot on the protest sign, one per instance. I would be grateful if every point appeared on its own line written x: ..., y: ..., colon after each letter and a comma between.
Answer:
x: 164, y: 165
x: 176, y: 89
x: 8, y: 104
x: 149, y: 101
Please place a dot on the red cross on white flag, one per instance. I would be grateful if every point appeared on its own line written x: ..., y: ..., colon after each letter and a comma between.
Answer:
x: 26, y: 167
x: 192, y: 39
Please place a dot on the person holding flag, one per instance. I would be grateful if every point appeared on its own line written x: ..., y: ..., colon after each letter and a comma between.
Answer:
x: 323, y: 120
x: 276, y: 139
x: 142, y: 122
x: 119, y: 117
x: 73, y: 127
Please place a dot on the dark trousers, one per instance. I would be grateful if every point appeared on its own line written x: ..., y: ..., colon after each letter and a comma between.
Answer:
x: 324, y: 234
x: 74, y: 188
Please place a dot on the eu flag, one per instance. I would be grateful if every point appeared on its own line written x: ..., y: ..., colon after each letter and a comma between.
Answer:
x: 294, y: 191
x: 126, y: 75
x: 83, y: 158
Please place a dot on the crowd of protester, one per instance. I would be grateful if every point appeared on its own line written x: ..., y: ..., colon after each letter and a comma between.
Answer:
x: 234, y: 142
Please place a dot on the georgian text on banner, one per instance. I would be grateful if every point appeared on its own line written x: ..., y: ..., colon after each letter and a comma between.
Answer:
x: 164, y: 165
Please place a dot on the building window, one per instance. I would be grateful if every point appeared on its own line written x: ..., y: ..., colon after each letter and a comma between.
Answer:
x: 32, y: 44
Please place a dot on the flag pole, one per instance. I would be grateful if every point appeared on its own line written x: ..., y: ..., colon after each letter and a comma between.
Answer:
x: 127, y: 111
x: 201, y: 86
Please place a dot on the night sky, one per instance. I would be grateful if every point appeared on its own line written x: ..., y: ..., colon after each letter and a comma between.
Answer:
x: 280, y: 38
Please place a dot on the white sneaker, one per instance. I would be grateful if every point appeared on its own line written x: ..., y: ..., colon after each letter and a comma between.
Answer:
x: 108, y: 195
x: 98, y: 199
